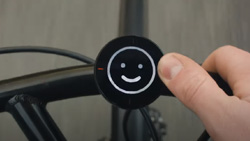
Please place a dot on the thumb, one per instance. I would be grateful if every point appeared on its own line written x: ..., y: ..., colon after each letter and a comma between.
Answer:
x: 192, y: 85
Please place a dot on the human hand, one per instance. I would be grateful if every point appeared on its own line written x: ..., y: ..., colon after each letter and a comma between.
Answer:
x: 224, y: 117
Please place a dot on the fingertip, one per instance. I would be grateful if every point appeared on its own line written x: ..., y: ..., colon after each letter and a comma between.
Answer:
x: 188, y: 81
x: 169, y: 66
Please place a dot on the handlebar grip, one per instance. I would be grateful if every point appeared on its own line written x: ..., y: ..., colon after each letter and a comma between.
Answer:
x: 220, y: 82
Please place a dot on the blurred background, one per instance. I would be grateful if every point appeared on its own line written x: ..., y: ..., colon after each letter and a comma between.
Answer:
x: 192, y: 27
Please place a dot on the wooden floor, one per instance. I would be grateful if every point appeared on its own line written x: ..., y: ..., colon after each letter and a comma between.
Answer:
x: 191, y: 27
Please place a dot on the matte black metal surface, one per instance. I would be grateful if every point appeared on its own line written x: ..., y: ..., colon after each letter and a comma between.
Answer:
x: 133, y: 21
x: 133, y: 18
x: 33, y: 118
x: 51, y: 85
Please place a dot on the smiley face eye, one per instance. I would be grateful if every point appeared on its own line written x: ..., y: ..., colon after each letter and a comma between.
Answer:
x: 140, y: 66
x: 123, y: 65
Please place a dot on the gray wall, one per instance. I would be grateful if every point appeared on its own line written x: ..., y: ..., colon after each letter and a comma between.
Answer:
x: 192, y: 27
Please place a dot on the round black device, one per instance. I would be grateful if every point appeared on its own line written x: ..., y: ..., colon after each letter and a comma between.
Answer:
x: 126, y: 72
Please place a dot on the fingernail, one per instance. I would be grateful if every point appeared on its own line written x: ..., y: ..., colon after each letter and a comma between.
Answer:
x: 169, y: 67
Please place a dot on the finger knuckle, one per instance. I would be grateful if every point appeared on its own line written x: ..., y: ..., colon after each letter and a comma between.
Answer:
x: 193, y: 86
x: 226, y: 48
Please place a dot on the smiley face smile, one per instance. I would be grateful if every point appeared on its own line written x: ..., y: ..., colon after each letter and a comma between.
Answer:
x: 126, y: 72
x: 131, y: 80
x: 131, y: 70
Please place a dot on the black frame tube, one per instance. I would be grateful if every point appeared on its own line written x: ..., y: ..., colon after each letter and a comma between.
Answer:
x: 33, y: 118
x: 133, y: 18
x: 51, y: 85
x: 133, y: 21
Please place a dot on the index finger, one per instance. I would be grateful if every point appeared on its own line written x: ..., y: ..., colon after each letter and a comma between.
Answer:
x: 233, y: 65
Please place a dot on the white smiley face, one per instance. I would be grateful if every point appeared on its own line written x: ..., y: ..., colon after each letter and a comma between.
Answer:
x: 134, y: 75
x: 131, y: 80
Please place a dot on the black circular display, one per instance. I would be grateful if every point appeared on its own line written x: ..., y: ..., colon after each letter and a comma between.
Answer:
x: 126, y: 72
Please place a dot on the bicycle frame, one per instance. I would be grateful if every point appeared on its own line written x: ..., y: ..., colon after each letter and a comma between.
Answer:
x: 133, y: 21
x: 26, y: 97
